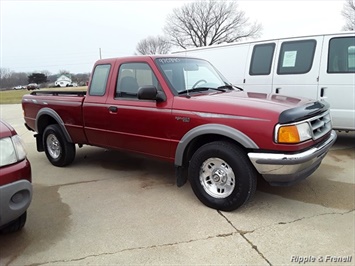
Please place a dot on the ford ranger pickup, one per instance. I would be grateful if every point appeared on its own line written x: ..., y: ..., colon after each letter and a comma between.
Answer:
x: 184, y: 111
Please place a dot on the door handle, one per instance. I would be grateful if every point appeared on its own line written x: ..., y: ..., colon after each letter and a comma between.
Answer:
x: 322, y: 91
x: 277, y: 90
x: 113, y: 109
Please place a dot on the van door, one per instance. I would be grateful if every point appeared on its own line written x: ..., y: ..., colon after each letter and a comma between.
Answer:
x: 337, y: 79
x: 258, y: 72
x: 297, y: 68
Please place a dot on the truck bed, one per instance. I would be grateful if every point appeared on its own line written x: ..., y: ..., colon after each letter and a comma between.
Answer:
x: 67, y: 105
x: 60, y: 92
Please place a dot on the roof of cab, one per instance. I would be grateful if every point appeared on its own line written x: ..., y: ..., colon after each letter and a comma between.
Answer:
x: 139, y: 58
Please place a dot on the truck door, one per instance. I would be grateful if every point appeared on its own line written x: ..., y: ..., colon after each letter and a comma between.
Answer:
x: 337, y: 79
x: 297, y: 68
x: 94, y: 109
x: 259, y: 69
x: 133, y: 124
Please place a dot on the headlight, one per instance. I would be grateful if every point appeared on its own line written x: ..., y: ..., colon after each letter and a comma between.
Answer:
x: 19, y: 147
x: 293, y: 133
x: 12, y: 150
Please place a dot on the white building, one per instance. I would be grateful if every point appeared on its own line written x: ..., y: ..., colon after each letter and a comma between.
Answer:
x: 63, y: 81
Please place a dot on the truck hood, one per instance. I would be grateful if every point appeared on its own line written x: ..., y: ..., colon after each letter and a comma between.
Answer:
x: 249, y: 104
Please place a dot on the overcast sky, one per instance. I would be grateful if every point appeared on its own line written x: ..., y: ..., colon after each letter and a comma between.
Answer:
x: 67, y: 35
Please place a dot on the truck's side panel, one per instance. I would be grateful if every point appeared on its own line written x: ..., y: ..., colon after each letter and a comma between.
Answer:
x: 69, y: 109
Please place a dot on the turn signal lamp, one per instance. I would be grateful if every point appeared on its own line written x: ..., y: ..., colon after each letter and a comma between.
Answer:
x: 293, y: 133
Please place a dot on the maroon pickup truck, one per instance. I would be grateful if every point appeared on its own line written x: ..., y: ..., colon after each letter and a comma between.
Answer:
x: 182, y: 110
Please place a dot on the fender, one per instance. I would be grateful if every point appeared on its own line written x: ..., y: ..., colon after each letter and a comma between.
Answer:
x: 56, y: 117
x: 208, y: 129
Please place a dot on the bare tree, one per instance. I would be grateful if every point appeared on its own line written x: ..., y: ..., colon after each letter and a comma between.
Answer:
x: 204, y: 23
x: 64, y: 72
x: 9, y: 78
x: 153, y: 45
x: 46, y: 72
x: 5, y: 72
x: 348, y: 13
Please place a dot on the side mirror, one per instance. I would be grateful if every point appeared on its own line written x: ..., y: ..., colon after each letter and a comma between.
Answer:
x: 150, y: 92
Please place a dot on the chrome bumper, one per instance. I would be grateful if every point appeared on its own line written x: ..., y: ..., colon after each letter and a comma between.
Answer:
x: 285, y: 169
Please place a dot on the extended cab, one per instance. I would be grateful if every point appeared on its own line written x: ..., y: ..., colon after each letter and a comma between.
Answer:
x: 182, y: 110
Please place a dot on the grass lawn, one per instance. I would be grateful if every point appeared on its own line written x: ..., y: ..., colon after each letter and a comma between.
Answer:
x: 15, y: 96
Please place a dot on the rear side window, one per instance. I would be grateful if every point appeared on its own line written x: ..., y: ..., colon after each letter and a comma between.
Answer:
x: 261, y: 59
x: 296, y: 57
x: 99, y: 80
x: 341, y: 55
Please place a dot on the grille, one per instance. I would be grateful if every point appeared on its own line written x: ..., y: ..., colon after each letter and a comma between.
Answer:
x: 320, y: 125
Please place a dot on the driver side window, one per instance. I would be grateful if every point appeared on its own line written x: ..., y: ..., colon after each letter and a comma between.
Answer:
x: 132, y: 76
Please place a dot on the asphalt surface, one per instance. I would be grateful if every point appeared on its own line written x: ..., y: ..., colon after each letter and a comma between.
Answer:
x: 112, y: 208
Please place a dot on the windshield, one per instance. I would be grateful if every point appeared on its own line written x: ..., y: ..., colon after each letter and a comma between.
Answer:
x: 189, y: 74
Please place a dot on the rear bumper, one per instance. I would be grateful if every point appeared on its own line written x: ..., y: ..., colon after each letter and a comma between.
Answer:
x: 285, y: 169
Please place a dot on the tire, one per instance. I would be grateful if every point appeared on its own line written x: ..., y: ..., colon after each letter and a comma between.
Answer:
x: 221, y: 176
x: 58, y: 150
x: 15, y: 225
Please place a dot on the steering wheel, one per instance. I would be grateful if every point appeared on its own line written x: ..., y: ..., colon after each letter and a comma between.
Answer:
x: 199, y: 81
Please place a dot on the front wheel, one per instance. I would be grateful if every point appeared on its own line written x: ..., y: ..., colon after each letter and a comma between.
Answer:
x: 58, y: 150
x: 15, y: 225
x: 222, y: 176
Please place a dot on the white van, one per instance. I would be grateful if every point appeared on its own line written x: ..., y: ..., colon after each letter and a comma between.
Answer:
x: 317, y: 67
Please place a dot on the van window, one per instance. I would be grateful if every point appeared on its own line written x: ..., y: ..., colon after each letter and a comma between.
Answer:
x: 296, y: 57
x: 99, y: 80
x: 261, y: 59
x: 341, y: 55
x: 132, y: 76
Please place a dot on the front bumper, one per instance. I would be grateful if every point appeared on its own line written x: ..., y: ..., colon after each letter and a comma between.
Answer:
x: 15, y: 198
x: 285, y: 169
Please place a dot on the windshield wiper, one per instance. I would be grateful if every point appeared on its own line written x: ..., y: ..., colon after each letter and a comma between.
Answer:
x: 193, y: 90
x: 230, y: 87
x: 222, y: 88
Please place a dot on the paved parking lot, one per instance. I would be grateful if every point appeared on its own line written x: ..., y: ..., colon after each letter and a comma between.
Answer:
x: 112, y: 208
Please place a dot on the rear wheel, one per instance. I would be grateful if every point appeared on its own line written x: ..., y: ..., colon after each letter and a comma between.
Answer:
x: 222, y: 176
x: 58, y: 150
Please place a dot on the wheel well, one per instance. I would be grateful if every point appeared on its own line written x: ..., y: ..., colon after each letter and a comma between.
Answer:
x: 44, y: 121
x: 199, y: 141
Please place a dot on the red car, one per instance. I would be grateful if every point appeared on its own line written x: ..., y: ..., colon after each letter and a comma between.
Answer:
x: 32, y: 86
x: 15, y: 180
